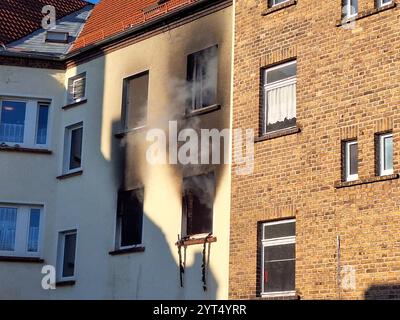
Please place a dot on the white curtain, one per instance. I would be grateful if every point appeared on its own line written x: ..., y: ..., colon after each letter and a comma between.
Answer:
x: 8, y: 224
x: 281, y: 103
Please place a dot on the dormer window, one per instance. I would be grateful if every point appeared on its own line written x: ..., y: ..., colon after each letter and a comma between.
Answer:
x: 57, y: 37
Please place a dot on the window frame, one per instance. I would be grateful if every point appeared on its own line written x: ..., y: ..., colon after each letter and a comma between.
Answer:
x: 382, y: 5
x: 275, y: 85
x: 272, y: 3
x: 67, y: 148
x: 382, y: 170
x: 70, y: 92
x: 275, y: 242
x: 22, y: 230
x: 32, y: 106
x: 349, y: 177
x: 61, y: 253
x: 65, y: 40
x: 346, y: 10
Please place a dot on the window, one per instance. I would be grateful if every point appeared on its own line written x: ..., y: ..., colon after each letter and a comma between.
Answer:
x: 129, y: 218
x: 24, y: 123
x: 20, y: 227
x: 66, y: 255
x: 77, y: 88
x: 272, y: 3
x: 57, y: 36
x: 385, y: 155
x: 382, y: 3
x: 197, y: 206
x: 202, y: 75
x: 278, y: 257
x: 350, y: 160
x: 73, y: 148
x: 280, y: 97
x: 136, y: 91
x: 350, y: 9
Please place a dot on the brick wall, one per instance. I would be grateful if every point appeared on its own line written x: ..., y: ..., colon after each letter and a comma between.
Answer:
x: 348, y: 86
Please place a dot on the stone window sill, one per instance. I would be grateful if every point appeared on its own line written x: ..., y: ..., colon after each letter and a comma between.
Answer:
x: 277, y: 134
x: 293, y: 296
x: 364, y: 14
x: 346, y: 184
x: 127, y: 251
x: 204, y: 110
x: 65, y: 283
x: 74, y: 104
x: 24, y: 150
x: 70, y: 175
x: 195, y: 241
x: 279, y: 7
x: 21, y: 259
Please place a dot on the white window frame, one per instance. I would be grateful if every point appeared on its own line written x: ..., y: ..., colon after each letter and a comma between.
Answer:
x: 349, y: 177
x: 60, y: 255
x: 382, y: 170
x: 72, y: 81
x: 31, y: 122
x: 67, y: 148
x: 274, y: 85
x: 347, y: 10
x: 381, y: 4
x: 272, y: 3
x: 22, y: 231
x: 270, y: 243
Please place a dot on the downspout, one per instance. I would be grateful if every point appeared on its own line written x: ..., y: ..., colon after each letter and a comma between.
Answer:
x: 338, y: 267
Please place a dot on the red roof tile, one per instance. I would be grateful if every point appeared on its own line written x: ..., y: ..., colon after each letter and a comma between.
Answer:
x: 110, y: 17
x: 18, y: 18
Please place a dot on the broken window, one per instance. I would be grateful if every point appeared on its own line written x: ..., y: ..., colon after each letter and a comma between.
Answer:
x: 77, y: 88
x: 129, y: 218
x: 198, y: 200
x: 135, y: 100
x: 278, y: 257
x: 73, y: 148
x: 279, y: 97
x: 202, y: 76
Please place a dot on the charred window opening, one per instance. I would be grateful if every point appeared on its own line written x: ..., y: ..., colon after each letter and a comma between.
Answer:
x: 135, y: 100
x: 197, y: 204
x: 202, y: 76
x: 129, y: 218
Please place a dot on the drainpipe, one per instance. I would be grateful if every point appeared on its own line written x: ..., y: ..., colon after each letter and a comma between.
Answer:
x: 338, y: 266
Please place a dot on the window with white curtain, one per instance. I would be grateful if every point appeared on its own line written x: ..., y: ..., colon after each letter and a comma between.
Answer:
x: 280, y: 97
x: 20, y: 227
x: 349, y: 9
x: 382, y: 3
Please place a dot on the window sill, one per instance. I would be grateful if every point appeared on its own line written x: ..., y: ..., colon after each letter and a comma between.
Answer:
x: 126, y: 251
x: 364, y: 14
x: 345, y: 184
x: 24, y: 150
x: 279, y: 7
x: 65, y: 283
x: 280, y: 296
x: 21, y: 259
x: 277, y: 134
x: 74, y: 104
x: 201, y: 111
x: 124, y: 133
x: 70, y: 175
x: 191, y: 242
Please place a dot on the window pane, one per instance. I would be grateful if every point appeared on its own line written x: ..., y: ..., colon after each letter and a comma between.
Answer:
x: 69, y: 255
x: 388, y: 153
x: 281, y: 73
x: 136, y: 99
x: 279, y: 276
x: 41, y: 134
x: 281, y: 107
x: 33, y: 236
x: 76, y: 149
x: 279, y: 230
x: 8, y: 224
x: 353, y: 150
x: 12, y: 121
x: 279, y: 252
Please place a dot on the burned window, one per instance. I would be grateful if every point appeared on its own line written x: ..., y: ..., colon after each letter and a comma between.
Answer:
x: 129, y: 218
x: 198, y: 200
x: 136, y: 91
x: 278, y: 257
x: 202, y: 76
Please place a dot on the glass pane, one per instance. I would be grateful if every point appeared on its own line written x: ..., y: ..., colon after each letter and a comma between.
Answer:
x: 136, y: 101
x: 41, y: 134
x: 279, y: 276
x: 281, y: 107
x: 33, y: 236
x: 69, y: 255
x: 12, y: 121
x: 8, y: 225
x: 354, y: 7
x: 281, y: 73
x: 131, y: 217
x: 75, y: 159
x: 388, y: 153
x: 280, y: 252
x: 279, y: 230
x: 353, y: 150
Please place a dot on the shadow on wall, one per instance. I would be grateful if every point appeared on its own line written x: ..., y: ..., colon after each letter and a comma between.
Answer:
x: 383, y: 292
